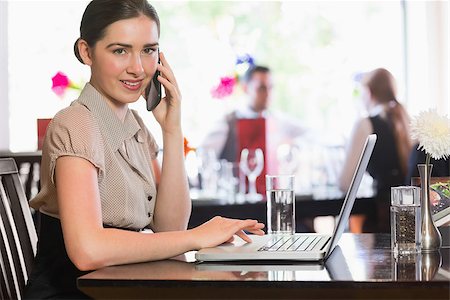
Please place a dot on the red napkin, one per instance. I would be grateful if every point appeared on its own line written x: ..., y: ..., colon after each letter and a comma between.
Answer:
x: 41, y: 129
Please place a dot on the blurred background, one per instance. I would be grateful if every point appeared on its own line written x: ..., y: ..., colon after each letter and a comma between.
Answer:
x: 316, y: 50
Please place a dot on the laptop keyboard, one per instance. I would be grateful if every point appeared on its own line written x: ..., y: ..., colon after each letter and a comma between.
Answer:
x: 295, y: 243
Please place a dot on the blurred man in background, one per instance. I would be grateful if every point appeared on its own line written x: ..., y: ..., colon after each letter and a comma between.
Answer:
x: 280, y: 129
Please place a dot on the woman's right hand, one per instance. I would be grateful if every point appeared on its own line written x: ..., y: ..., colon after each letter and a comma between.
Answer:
x: 219, y: 230
x: 168, y: 112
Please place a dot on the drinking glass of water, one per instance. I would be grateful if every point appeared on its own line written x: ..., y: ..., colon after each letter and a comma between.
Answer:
x: 280, y: 204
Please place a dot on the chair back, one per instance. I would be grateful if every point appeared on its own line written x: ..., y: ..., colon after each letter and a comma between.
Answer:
x: 18, y: 243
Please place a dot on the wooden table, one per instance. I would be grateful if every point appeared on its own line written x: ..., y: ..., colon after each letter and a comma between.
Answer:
x: 362, y: 267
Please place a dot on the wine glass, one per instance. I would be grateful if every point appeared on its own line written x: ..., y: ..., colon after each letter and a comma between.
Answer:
x: 288, y: 156
x: 251, y: 164
x: 208, y: 166
x: 229, y: 180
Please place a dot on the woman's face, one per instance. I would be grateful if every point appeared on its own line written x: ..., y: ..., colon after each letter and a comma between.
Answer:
x: 125, y: 59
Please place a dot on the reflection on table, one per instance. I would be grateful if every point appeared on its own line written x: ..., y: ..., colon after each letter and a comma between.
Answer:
x: 362, y: 266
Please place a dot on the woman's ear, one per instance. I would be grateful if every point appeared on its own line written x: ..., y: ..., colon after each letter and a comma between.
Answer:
x: 85, y: 52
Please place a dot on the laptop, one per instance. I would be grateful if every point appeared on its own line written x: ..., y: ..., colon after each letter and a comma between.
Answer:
x: 299, y: 246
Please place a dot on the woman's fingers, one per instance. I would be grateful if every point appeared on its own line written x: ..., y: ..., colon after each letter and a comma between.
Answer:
x: 228, y: 228
x: 255, y: 231
x: 243, y: 236
x: 165, y: 65
x: 259, y: 226
x: 252, y: 226
x: 170, y: 89
x: 242, y: 224
x: 230, y: 240
x: 166, y: 71
x: 248, y: 225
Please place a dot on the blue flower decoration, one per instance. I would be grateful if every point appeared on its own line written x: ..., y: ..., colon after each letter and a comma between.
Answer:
x: 246, y: 58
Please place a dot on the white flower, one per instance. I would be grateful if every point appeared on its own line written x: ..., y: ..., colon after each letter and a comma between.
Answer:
x: 433, y: 132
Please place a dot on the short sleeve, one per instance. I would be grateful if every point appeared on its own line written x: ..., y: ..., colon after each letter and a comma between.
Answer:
x: 147, y: 136
x: 74, y: 132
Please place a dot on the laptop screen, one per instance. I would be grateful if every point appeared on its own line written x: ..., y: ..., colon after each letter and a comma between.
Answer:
x: 352, y: 190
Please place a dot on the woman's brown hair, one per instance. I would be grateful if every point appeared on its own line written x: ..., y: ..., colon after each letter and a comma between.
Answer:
x: 381, y: 85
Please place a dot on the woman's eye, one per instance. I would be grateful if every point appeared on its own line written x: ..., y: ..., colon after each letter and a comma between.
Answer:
x: 149, y: 50
x: 119, y: 51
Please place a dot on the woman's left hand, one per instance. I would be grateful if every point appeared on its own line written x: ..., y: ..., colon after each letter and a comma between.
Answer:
x: 168, y: 112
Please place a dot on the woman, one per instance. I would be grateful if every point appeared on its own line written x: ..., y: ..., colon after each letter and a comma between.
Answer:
x: 389, y: 162
x: 99, y: 162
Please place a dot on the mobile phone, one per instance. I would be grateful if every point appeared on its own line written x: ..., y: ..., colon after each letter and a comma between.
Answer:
x: 153, y: 90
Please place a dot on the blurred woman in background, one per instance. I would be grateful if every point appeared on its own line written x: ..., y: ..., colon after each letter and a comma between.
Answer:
x: 389, y: 162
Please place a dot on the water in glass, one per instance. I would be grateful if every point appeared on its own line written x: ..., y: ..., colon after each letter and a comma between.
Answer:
x: 280, y: 208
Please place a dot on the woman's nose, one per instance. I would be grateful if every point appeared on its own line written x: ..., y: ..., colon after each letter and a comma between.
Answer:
x: 135, y: 66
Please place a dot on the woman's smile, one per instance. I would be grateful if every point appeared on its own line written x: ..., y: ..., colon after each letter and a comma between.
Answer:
x: 132, y: 85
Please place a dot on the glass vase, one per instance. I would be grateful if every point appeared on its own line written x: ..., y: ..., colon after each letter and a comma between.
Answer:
x: 431, y: 237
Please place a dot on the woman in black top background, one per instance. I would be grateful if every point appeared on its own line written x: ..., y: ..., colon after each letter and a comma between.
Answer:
x: 389, y: 162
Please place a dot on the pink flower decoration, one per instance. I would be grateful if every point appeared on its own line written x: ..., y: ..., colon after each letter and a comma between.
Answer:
x: 225, y: 87
x: 60, y: 83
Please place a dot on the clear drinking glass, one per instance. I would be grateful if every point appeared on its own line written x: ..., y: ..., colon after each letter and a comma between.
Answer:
x: 251, y: 164
x: 229, y: 179
x: 405, y: 220
x: 288, y: 156
x: 208, y: 167
x: 280, y: 204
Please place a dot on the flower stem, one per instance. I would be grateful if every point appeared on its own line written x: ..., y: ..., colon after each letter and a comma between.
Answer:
x: 427, y: 160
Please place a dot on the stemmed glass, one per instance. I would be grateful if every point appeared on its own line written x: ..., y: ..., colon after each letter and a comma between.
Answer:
x: 208, y: 166
x: 251, y: 164
x: 229, y: 180
x: 288, y: 156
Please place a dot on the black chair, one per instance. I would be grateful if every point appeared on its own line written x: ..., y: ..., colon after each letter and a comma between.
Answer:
x: 18, y: 235
x: 28, y: 164
x: 10, y: 288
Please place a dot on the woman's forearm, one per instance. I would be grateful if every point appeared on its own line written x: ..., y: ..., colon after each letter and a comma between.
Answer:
x: 107, y: 247
x: 173, y: 205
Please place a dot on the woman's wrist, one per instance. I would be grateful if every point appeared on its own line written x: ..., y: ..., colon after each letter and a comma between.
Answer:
x: 192, y: 239
x: 173, y: 140
x: 172, y: 132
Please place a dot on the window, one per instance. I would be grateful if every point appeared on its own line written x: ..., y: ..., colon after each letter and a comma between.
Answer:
x: 314, y: 49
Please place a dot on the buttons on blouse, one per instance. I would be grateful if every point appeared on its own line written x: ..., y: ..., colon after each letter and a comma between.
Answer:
x: 149, y: 198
